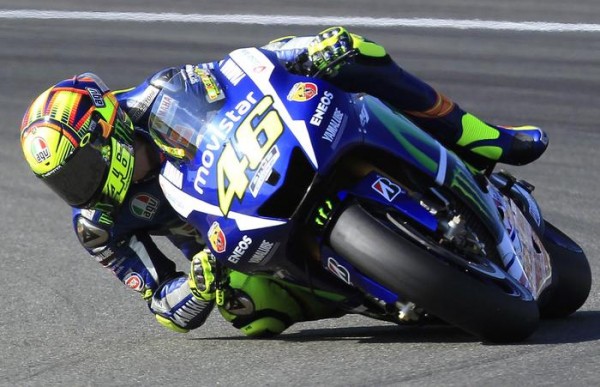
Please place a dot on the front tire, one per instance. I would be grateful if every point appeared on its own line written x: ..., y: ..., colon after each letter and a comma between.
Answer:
x: 477, y: 305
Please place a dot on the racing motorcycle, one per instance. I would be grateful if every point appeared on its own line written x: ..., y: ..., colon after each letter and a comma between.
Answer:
x: 292, y: 178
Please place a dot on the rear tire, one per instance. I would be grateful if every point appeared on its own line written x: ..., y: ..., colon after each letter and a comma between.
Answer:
x: 478, y: 306
x: 571, y: 275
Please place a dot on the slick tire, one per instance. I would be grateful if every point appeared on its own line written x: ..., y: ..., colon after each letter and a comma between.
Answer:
x: 477, y: 306
x: 571, y: 275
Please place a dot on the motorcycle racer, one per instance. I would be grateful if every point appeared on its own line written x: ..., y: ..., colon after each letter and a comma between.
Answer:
x: 92, y: 147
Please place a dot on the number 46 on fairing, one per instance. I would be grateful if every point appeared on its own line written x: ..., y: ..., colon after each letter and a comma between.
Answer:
x: 254, y: 137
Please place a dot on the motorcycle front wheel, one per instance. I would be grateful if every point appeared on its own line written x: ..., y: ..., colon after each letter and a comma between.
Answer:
x: 483, y: 301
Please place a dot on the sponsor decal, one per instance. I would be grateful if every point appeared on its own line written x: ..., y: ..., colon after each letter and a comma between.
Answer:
x: 134, y: 281
x: 139, y: 107
x: 240, y: 249
x: 144, y: 206
x: 213, y: 90
x: 334, y: 126
x: 216, y: 237
x: 186, y: 312
x: 165, y: 113
x: 264, y: 170
x: 104, y: 254
x: 233, y: 116
x: 216, y: 137
x: 232, y: 72
x: 213, y: 144
x: 96, y: 96
x: 191, y: 74
x: 255, y: 136
x: 39, y: 150
x: 174, y: 175
x: 339, y: 270
x: 302, y: 92
x: 321, y: 109
x: 386, y: 188
x: 364, y: 115
x: 264, y: 250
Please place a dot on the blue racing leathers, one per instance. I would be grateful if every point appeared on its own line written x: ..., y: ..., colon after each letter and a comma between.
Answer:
x: 123, y: 244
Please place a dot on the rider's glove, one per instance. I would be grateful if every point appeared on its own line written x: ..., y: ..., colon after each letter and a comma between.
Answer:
x: 330, y: 50
x: 202, y: 276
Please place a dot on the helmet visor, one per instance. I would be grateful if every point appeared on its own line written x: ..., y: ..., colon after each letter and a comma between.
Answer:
x: 79, y: 180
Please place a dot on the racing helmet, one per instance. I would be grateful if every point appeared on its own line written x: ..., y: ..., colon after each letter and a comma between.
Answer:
x: 77, y: 139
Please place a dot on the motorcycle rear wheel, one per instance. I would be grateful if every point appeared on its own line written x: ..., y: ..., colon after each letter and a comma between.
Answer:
x: 571, y: 275
x: 493, y: 309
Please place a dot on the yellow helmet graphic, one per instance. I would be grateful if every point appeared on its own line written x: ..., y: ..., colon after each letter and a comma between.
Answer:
x: 77, y: 139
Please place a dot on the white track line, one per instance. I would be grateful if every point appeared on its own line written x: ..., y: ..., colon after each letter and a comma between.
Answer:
x: 288, y: 20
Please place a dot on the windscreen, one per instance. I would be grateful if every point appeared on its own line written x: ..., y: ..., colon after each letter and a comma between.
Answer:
x: 180, y: 115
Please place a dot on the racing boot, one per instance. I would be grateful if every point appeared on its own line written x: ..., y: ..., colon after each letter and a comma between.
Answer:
x: 480, y: 144
x: 483, y: 145
x: 356, y: 64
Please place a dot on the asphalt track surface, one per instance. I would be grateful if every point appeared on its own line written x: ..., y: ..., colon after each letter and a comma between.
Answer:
x: 66, y: 321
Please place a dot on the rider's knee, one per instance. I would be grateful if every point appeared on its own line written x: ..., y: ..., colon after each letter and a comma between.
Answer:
x: 259, y: 307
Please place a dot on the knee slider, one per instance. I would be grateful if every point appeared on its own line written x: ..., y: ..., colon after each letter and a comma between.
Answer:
x: 259, y: 306
x: 264, y: 327
x: 265, y: 294
x: 165, y: 322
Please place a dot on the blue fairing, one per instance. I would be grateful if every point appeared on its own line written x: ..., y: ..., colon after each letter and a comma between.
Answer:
x: 271, y: 126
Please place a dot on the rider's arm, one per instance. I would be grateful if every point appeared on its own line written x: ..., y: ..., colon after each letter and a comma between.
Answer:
x: 140, y: 265
x: 371, y: 70
x: 289, y: 48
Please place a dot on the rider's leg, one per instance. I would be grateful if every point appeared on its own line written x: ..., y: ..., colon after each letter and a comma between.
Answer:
x: 373, y: 71
x: 261, y: 306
